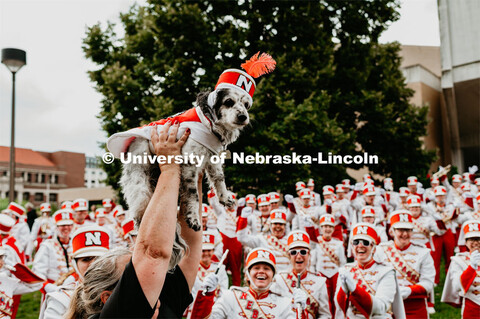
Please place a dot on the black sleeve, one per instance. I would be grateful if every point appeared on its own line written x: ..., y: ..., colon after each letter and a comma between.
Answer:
x: 175, y: 296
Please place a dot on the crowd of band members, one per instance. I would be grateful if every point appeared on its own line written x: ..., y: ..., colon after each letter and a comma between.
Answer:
x: 292, y: 259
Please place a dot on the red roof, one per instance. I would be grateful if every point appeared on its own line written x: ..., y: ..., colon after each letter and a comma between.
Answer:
x: 25, y: 156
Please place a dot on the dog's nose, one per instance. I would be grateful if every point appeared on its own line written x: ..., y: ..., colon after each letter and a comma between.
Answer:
x: 241, y: 118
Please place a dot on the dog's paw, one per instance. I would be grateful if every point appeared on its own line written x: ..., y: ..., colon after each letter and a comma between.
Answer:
x: 193, y: 223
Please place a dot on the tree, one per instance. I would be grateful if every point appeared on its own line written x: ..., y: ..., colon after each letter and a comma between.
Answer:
x: 335, y: 88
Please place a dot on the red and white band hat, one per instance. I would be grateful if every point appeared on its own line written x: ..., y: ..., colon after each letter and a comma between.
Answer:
x: 412, y: 180
x: 346, y: 182
x: 100, y: 212
x: 340, y: 188
x: 298, y: 238
x: 278, y: 216
x: 118, y: 211
x: 401, y: 219
x: 434, y: 180
x: 90, y: 241
x: 328, y: 190
x: 16, y: 209
x: 440, y: 190
x: 66, y: 204
x: 305, y: 193
x: 466, y: 177
x: 300, y: 185
x: 263, y: 200
x: 80, y: 204
x: 205, y: 210
x: 465, y: 187
x: 250, y: 199
x: 414, y: 201
x: 369, y: 191
x: 45, y: 207
x: 128, y: 227
x: 457, y: 178
x: 388, y: 180
x: 261, y: 255
x: 311, y: 182
x: 274, y: 197
x: 6, y: 223
x: 63, y: 217
x: 208, y: 240
x: 478, y: 198
x: 327, y: 220
x: 404, y: 192
x: 366, y: 177
x: 368, y: 183
x: 211, y: 193
x: 365, y: 231
x: 107, y: 202
x: 368, y: 211
x: 471, y: 228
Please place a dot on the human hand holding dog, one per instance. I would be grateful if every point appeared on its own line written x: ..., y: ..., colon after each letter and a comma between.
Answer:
x: 165, y: 143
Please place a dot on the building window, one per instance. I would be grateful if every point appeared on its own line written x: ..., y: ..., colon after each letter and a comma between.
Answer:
x: 43, y: 177
x: 26, y: 196
x: 39, y: 197
x: 53, y: 197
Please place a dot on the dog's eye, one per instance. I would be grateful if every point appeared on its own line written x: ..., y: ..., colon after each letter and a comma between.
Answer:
x: 229, y: 102
x: 247, y: 105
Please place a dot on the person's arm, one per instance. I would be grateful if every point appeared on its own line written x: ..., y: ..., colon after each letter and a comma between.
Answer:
x: 193, y: 239
x: 153, y: 248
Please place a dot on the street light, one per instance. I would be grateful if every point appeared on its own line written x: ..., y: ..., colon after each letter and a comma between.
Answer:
x: 14, y: 59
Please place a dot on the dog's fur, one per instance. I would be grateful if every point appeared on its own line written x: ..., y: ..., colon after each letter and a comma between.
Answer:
x: 228, y: 116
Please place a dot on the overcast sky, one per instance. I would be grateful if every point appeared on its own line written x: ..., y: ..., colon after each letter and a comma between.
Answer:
x: 56, y: 104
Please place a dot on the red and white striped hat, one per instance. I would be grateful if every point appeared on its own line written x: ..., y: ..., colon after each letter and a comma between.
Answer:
x: 434, y: 180
x: 305, y: 193
x: 471, y: 228
x: 63, y: 217
x: 261, y: 255
x: 118, y: 211
x: 45, y: 207
x: 205, y: 210
x: 346, y: 182
x: 80, y: 204
x: 412, y: 180
x: 440, y: 190
x: 6, y: 223
x: 369, y: 191
x: 66, y: 204
x: 368, y: 211
x: 263, y: 200
x: 311, y: 182
x: 466, y: 177
x: 107, y: 202
x: 129, y: 228
x: 328, y: 190
x: 278, y: 216
x: 401, y: 219
x: 340, y: 188
x: 404, y: 192
x: 274, y: 197
x: 16, y: 209
x: 208, y: 240
x: 457, y: 178
x: 300, y: 185
x: 90, y: 241
x: 414, y: 201
x: 365, y: 231
x: 250, y: 199
x: 100, y: 212
x: 327, y: 220
x: 298, y: 238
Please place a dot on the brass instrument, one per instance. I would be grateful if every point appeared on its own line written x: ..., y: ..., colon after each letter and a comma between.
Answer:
x: 442, y: 172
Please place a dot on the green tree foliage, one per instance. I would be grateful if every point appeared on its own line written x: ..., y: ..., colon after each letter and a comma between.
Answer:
x: 335, y: 88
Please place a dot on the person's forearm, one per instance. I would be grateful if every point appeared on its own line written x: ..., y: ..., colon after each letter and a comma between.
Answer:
x: 157, y: 230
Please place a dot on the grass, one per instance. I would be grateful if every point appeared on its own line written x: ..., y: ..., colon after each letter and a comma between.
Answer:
x: 29, y: 306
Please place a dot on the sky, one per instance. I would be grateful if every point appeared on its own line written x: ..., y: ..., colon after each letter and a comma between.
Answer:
x: 57, y: 105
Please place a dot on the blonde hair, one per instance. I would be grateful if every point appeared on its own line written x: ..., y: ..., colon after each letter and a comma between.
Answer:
x: 102, y: 275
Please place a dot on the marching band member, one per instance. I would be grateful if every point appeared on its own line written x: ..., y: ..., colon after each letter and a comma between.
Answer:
x: 88, y: 243
x: 130, y: 232
x: 429, y: 195
x: 424, y: 225
x: 367, y: 288
x: 257, y: 300
x: 20, y: 230
x: 275, y: 240
x: 315, y: 200
x: 80, y: 206
x: 218, y: 249
x: 412, y: 183
x: 258, y: 222
x: 392, y: 199
x: 403, y: 194
x: 462, y: 284
x: 413, y: 265
x: 43, y: 228
x: 301, y: 207
x: 274, y: 198
x: 101, y: 220
x: 368, y: 216
x: 13, y: 254
x: 369, y: 198
x: 339, y: 211
x: 299, y: 186
x: 119, y: 216
x: 313, y: 284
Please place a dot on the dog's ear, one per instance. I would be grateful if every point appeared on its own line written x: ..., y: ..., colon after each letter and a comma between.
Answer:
x: 202, y: 102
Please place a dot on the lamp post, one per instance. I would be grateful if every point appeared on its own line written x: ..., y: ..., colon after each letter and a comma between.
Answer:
x: 14, y: 59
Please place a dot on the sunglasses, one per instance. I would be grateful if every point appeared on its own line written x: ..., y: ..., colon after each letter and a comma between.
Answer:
x: 302, y: 252
x: 364, y: 242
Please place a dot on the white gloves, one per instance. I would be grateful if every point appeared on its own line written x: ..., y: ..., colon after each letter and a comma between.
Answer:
x: 241, y: 202
x: 405, y: 292
x: 473, y: 169
x: 475, y: 259
x: 347, y: 282
x: 247, y: 211
x: 300, y: 297
x: 307, y: 221
x: 289, y: 198
x: 210, y: 283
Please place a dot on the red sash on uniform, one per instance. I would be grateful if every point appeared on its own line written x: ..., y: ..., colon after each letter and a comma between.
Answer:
x: 329, y: 252
x: 249, y: 305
